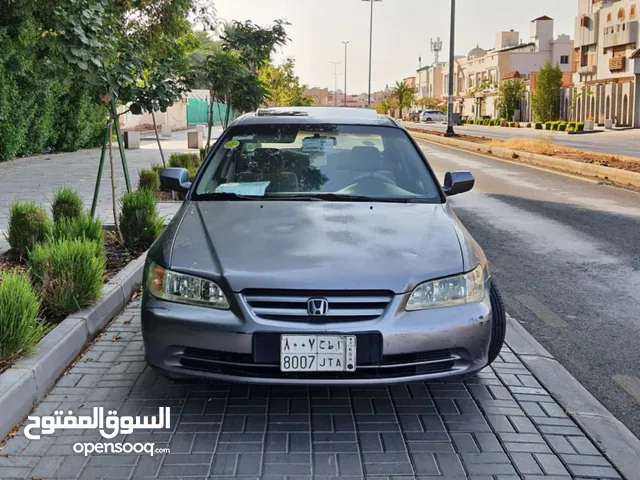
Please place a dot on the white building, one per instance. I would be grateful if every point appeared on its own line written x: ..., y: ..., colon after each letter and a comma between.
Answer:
x: 607, y: 62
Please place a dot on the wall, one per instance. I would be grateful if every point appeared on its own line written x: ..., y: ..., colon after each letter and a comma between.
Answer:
x: 176, y: 116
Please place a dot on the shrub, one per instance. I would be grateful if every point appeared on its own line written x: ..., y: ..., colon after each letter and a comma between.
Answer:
x: 140, y: 222
x: 184, y: 160
x: 68, y: 274
x: 516, y: 124
x: 580, y: 126
x: 149, y: 180
x: 528, y: 125
x: 538, y: 126
x: 570, y: 128
x: 20, y: 327
x: 204, y: 152
x: 504, y: 123
x: 462, y: 122
x: 547, y: 125
x: 66, y: 204
x: 28, y: 225
x: 81, y: 228
x: 562, y: 126
x: 554, y: 125
x: 572, y: 125
x: 471, y: 121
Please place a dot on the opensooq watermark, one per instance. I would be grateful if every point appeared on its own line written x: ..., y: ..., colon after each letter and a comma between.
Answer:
x: 109, y: 427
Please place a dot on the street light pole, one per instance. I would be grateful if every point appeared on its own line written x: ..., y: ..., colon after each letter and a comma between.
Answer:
x: 335, y: 83
x: 370, y: 46
x: 345, y: 72
x: 452, y: 41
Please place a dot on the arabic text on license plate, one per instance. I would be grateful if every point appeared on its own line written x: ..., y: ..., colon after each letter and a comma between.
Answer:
x: 317, y: 353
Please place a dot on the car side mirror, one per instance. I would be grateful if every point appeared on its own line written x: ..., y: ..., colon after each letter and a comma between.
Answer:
x: 175, y: 179
x: 458, y: 182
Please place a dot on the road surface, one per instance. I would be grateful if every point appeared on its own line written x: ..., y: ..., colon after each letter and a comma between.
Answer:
x: 566, y: 256
x: 624, y: 143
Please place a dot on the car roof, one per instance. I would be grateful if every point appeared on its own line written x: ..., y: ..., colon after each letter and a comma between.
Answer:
x: 315, y: 115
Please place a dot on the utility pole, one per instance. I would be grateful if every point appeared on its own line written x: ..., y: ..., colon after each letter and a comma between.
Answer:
x: 335, y: 82
x: 345, y: 72
x: 452, y: 41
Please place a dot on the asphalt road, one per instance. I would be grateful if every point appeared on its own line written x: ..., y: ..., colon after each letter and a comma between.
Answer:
x: 624, y: 142
x: 566, y: 257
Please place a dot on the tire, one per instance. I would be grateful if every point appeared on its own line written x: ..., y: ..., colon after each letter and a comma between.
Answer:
x: 429, y: 120
x: 498, y: 324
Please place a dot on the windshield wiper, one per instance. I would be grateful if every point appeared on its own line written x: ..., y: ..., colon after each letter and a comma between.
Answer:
x: 225, y: 196
x: 340, y: 197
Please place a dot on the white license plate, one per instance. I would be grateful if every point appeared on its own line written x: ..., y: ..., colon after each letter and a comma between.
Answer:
x: 317, y: 353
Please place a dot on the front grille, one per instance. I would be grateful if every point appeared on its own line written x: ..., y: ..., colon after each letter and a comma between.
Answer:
x: 369, y: 364
x: 291, y: 305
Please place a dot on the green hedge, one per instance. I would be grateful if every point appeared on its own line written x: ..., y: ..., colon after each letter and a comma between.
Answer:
x: 41, y: 104
x: 538, y: 126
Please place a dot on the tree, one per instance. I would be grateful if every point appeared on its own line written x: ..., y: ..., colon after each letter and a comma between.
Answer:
x: 255, y: 44
x: 284, y: 86
x: 399, y: 92
x: 509, y: 96
x: 545, y: 95
x: 431, y: 103
x: 132, y: 51
x: 383, y: 107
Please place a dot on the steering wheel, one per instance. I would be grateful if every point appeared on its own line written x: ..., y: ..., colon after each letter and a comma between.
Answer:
x: 372, y: 176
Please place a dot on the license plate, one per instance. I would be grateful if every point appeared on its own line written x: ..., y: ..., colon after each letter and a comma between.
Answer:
x: 317, y: 353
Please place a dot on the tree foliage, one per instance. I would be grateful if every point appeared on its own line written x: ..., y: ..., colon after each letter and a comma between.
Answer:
x: 284, y: 86
x: 254, y: 43
x: 509, y: 96
x: 404, y: 95
x: 545, y: 96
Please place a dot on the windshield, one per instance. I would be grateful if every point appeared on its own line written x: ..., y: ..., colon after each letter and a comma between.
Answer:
x: 323, y: 162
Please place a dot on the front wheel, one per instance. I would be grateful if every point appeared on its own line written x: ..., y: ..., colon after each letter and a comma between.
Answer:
x: 499, y: 324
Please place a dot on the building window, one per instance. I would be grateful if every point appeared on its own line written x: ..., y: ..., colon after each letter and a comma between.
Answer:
x: 608, y: 18
x: 564, y: 59
x: 632, y: 11
x: 621, y: 14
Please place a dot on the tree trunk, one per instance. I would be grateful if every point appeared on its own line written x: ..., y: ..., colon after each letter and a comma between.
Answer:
x: 114, y: 199
x: 226, y: 119
x: 210, y: 122
x: 155, y: 128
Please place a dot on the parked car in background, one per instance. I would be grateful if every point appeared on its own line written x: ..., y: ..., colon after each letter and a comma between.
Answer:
x: 414, y: 116
x: 433, y: 116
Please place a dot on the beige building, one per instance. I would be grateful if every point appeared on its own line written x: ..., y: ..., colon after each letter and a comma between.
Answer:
x: 479, y: 73
x: 607, y: 63
x: 510, y: 58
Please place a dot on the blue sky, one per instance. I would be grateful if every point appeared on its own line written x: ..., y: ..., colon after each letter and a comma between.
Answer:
x: 402, y: 29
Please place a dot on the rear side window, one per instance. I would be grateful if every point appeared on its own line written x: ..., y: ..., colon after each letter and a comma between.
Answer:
x: 277, y: 161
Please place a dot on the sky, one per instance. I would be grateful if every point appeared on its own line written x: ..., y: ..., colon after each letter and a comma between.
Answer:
x: 402, y: 30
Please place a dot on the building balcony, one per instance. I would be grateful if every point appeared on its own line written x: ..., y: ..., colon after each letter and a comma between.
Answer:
x: 621, y: 34
x: 586, y: 30
x: 587, y: 69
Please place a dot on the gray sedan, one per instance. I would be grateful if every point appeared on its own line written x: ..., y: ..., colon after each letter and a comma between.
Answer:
x: 316, y: 247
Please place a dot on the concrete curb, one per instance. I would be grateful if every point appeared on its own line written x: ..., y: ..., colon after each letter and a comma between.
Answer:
x: 616, y: 175
x: 25, y: 383
x: 610, y: 435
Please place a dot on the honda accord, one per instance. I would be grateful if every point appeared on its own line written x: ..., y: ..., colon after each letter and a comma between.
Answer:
x: 316, y: 246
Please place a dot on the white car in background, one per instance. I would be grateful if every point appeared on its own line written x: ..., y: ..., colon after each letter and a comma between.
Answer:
x: 433, y: 116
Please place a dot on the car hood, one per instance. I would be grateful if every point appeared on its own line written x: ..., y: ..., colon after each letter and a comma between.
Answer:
x: 316, y: 245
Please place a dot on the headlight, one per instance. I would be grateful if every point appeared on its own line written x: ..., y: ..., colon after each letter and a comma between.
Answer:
x: 446, y: 292
x: 181, y: 288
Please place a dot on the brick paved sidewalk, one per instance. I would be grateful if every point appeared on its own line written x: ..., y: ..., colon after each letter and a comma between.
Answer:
x: 500, y: 425
x: 37, y: 178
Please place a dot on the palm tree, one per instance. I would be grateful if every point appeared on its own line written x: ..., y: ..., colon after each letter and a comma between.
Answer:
x: 400, y: 92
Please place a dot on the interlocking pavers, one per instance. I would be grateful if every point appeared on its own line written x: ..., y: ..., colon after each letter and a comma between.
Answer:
x: 500, y: 425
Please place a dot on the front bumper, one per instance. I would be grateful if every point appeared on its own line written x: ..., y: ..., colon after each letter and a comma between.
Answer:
x: 237, y: 346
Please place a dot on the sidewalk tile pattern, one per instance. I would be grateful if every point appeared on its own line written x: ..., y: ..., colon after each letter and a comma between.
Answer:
x: 501, y: 425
